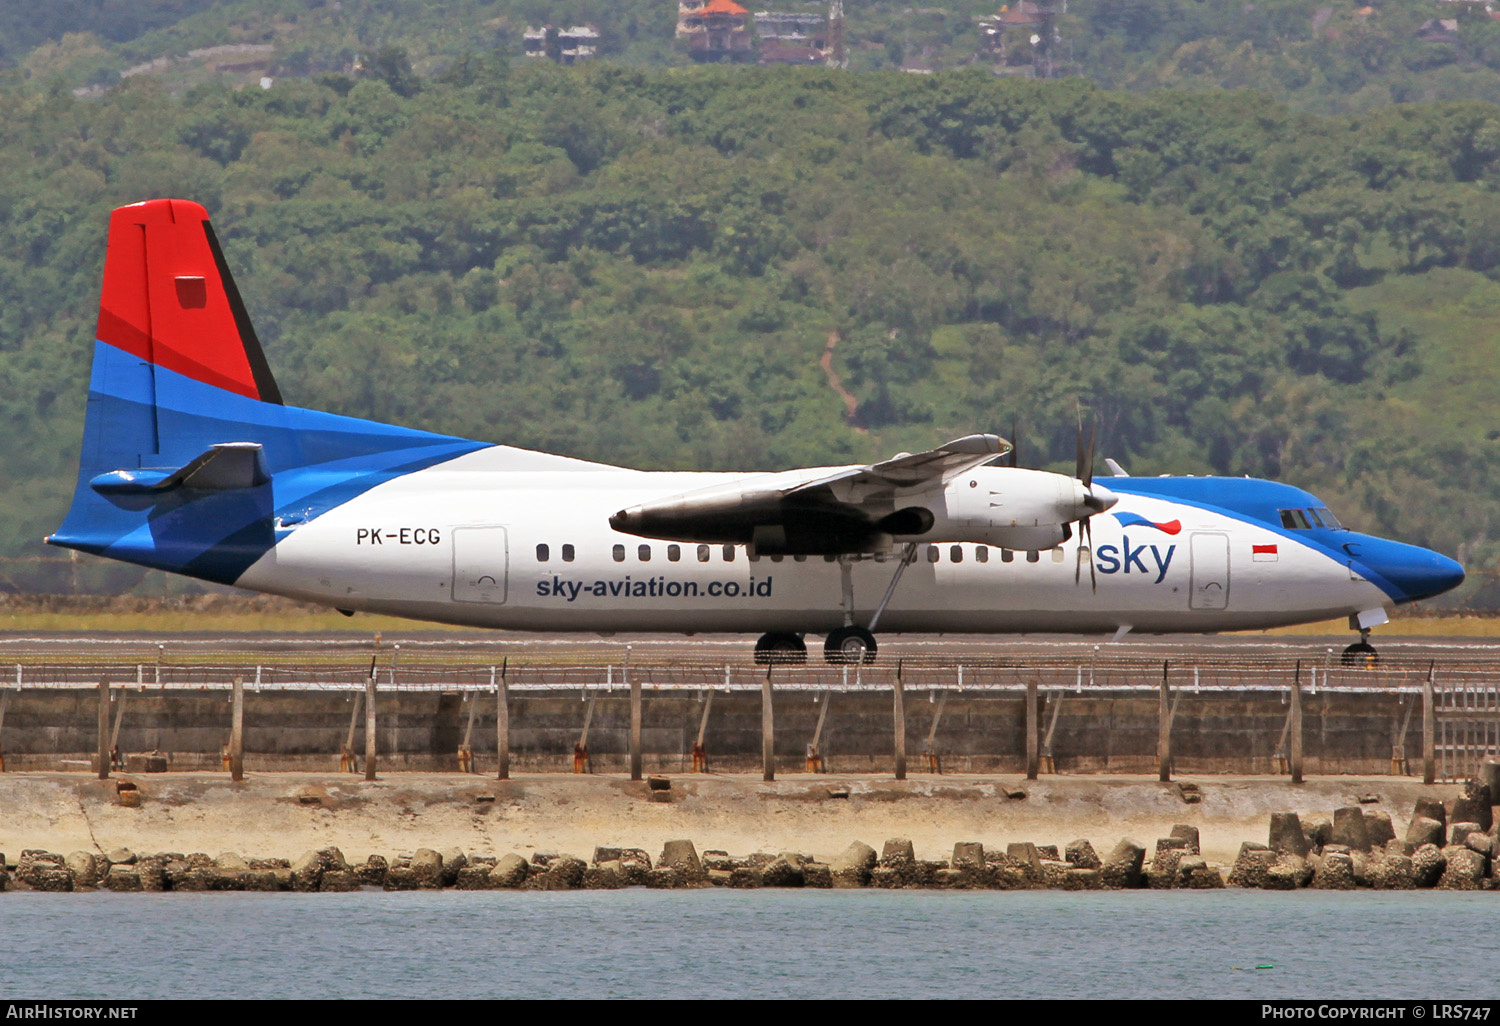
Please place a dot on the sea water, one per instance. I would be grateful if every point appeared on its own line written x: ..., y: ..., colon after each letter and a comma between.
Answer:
x: 752, y: 944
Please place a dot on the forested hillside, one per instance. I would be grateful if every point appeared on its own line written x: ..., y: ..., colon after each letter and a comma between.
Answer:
x: 648, y: 267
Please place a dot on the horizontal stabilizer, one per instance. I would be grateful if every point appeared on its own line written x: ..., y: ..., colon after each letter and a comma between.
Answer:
x: 225, y: 467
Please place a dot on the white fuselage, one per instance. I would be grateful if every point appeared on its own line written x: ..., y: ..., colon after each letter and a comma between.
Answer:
x: 468, y: 543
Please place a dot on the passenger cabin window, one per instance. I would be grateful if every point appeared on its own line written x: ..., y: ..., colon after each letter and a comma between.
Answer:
x: 729, y: 553
x: 643, y: 553
x: 567, y: 553
x: 619, y: 553
x: 982, y: 554
x: 1007, y: 556
x: 932, y: 553
x: 1057, y: 554
x: 956, y: 554
x: 1033, y: 556
x: 703, y: 553
x: 542, y: 553
x: 674, y: 553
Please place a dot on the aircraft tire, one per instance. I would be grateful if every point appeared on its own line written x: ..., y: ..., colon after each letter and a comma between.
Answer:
x: 777, y: 649
x: 1361, y: 655
x: 849, y: 645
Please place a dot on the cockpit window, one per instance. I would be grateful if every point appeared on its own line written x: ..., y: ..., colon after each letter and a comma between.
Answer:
x: 1329, y: 520
x: 1307, y: 519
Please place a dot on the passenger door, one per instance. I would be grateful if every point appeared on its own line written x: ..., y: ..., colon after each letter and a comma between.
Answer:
x: 1210, y: 583
x: 480, y: 561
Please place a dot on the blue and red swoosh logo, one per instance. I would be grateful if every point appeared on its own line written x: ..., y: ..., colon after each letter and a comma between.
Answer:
x: 1134, y: 520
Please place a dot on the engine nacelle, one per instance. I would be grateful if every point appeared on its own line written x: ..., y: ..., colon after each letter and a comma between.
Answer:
x: 1011, y: 508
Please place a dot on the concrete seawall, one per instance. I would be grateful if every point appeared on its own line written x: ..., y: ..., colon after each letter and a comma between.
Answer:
x: 285, y: 814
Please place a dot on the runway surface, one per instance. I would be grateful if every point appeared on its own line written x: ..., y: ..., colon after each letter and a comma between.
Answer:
x: 736, y: 648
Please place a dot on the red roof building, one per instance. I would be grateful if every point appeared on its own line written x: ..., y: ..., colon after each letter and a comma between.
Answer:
x: 715, y: 29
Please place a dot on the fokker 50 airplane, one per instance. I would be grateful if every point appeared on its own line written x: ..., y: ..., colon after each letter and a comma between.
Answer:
x: 191, y: 463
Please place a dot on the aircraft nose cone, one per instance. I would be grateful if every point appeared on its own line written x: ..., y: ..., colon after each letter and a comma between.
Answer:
x: 1415, y: 572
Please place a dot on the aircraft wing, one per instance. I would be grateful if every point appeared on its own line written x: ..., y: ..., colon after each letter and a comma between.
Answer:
x: 914, y: 470
x: 814, y: 512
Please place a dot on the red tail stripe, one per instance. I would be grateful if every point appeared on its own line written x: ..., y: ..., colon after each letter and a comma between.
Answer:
x: 145, y: 309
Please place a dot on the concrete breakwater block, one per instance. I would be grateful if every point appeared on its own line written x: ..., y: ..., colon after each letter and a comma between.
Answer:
x: 1287, y: 834
x: 1335, y: 872
x: 1424, y: 830
x: 80, y: 864
x: 1431, y: 808
x: 852, y: 866
x: 1189, y: 834
x: 122, y: 879
x: 681, y: 855
x: 509, y: 872
x: 968, y: 855
x: 1379, y: 828
x: 1463, y: 869
x: 1080, y: 853
x: 371, y: 872
x: 1251, y: 865
x: 1473, y: 806
x: 1349, y: 828
x: 1197, y: 874
x: 1428, y: 863
x: 896, y: 850
x: 1122, y: 869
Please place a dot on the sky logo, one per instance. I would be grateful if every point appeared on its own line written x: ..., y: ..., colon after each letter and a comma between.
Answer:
x: 1134, y: 520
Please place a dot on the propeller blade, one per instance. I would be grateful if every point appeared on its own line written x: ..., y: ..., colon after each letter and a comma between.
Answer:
x: 1014, y: 459
x: 1078, y: 448
x: 1088, y: 533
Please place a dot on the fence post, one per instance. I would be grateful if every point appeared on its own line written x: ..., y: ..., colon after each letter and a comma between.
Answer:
x: 635, y: 730
x: 4, y: 699
x: 370, y: 728
x: 104, y: 729
x: 1163, y: 728
x: 502, y: 723
x: 767, y: 730
x: 1031, y: 728
x: 237, y: 731
x: 1295, y: 741
x: 898, y: 699
x: 1429, y: 721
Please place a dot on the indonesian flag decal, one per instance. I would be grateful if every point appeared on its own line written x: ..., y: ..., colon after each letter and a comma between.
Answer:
x: 1263, y: 553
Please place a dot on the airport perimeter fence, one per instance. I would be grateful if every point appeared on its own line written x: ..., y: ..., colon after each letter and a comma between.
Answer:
x: 1075, y: 712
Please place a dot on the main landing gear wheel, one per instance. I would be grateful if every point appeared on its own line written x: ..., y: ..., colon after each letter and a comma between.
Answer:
x: 1361, y: 655
x: 780, y: 650
x: 849, y: 645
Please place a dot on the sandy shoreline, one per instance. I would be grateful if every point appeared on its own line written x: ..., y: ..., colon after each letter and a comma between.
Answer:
x: 285, y: 814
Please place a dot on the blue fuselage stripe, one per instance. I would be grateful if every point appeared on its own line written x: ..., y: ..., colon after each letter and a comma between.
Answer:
x: 144, y: 417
